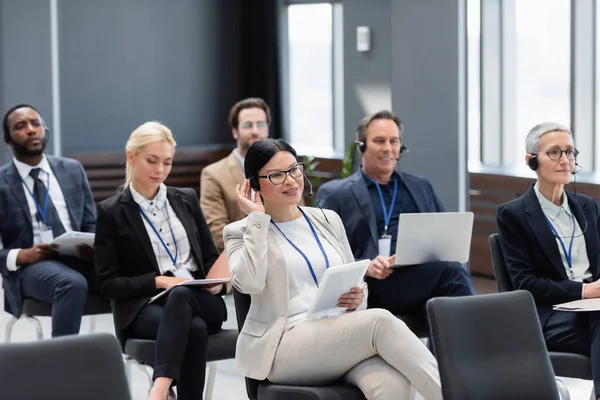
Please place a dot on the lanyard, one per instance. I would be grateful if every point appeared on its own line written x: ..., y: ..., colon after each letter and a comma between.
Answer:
x: 562, y: 244
x: 312, y: 271
x: 173, y: 258
x: 387, y: 214
x: 35, y: 200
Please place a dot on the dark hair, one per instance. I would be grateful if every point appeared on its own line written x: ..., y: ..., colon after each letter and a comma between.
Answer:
x: 361, y: 130
x: 5, y: 126
x: 259, y: 154
x: 252, y: 102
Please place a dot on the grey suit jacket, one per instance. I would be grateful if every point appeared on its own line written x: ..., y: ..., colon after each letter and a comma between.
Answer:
x: 258, y: 268
x: 16, y: 229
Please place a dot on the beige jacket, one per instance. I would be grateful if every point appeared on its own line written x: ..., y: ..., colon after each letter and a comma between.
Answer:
x: 218, y: 197
x: 257, y: 266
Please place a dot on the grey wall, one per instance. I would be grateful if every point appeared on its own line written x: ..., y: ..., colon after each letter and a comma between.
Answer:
x: 127, y: 62
x: 428, y: 86
x: 123, y: 63
x: 25, y: 75
x: 367, y: 76
x: 416, y: 67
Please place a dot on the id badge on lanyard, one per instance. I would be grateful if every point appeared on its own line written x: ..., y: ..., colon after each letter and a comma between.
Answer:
x: 385, y: 245
x: 45, y: 235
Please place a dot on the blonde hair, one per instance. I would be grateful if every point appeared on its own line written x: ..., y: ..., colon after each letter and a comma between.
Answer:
x: 149, y: 132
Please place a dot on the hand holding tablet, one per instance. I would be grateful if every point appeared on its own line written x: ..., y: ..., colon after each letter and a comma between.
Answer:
x: 338, y: 282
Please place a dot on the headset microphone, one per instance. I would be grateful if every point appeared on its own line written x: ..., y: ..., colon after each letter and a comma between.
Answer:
x: 310, y: 189
x: 310, y: 193
x: 577, y: 169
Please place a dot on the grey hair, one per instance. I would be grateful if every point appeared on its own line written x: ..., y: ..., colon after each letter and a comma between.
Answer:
x: 361, y: 130
x: 532, y: 142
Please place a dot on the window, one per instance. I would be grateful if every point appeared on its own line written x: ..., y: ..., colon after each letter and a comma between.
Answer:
x: 473, y: 80
x: 543, y: 59
x: 519, y: 74
x: 314, y: 60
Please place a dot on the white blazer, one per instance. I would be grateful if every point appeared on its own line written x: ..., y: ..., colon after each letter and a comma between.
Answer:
x: 258, y: 268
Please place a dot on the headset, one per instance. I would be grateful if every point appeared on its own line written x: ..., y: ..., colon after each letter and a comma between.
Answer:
x: 534, y: 164
x: 362, y: 147
x: 254, y: 182
x: 255, y: 185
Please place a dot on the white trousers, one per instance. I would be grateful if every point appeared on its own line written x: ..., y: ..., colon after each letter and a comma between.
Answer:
x: 371, y: 349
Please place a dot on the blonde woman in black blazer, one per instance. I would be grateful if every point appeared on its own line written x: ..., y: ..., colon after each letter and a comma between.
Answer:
x: 150, y: 237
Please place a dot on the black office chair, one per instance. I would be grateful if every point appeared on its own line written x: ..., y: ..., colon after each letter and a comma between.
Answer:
x: 33, y: 308
x: 73, y: 367
x: 570, y: 365
x: 265, y: 390
x: 491, y: 347
x: 140, y: 352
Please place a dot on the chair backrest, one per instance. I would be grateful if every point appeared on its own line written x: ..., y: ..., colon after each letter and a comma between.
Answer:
x: 242, y: 305
x: 67, y: 368
x: 500, y: 270
x: 490, y: 347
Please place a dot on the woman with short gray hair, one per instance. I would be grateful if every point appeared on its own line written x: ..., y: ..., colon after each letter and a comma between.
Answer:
x: 551, y: 243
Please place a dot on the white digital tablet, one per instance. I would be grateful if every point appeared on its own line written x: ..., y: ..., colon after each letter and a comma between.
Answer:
x: 428, y: 237
x: 335, y: 282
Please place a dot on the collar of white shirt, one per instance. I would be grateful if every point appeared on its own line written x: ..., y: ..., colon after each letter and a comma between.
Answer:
x: 548, y: 207
x: 24, y: 169
x: 150, y: 205
x: 239, y: 157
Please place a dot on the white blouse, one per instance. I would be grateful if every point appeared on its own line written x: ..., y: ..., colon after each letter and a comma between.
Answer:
x: 302, y: 287
x: 163, y: 217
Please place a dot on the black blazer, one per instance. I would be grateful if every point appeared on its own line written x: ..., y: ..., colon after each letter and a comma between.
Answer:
x: 124, y: 260
x: 532, y: 255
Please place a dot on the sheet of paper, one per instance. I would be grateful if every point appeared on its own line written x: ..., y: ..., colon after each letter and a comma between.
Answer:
x: 582, y: 305
x: 191, y: 282
x: 68, y: 241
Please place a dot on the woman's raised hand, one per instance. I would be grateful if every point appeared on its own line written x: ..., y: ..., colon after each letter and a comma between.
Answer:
x: 247, y: 202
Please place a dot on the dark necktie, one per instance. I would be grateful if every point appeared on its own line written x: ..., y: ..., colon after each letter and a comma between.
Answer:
x: 52, y: 218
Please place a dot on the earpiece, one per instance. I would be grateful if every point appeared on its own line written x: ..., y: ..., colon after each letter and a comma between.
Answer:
x: 403, y: 150
x: 533, y: 162
x: 254, y: 183
x: 362, y: 147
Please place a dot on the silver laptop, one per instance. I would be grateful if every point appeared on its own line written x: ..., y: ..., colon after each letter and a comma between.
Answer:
x: 428, y: 237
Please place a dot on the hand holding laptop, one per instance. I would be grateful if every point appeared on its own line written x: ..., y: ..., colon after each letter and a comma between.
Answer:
x: 380, y: 267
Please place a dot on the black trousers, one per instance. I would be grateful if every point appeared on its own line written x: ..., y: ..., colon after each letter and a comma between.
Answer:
x: 407, y: 289
x: 576, y: 332
x: 181, y: 325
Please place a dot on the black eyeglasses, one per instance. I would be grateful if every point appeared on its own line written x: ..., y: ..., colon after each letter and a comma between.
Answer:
x: 278, y: 177
x: 556, y: 153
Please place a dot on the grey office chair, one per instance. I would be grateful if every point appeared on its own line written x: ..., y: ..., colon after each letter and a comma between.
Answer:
x: 33, y: 308
x: 570, y: 365
x: 140, y: 352
x: 491, y: 347
x: 71, y: 367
